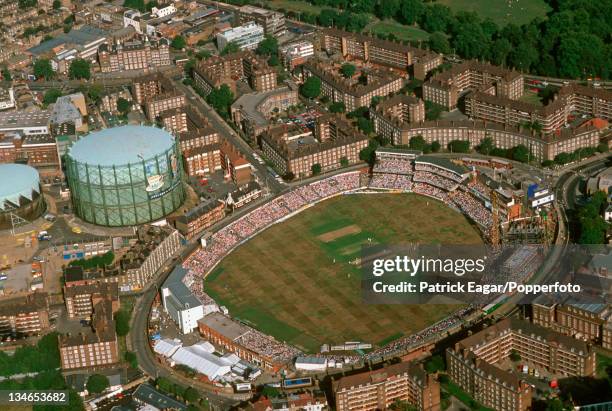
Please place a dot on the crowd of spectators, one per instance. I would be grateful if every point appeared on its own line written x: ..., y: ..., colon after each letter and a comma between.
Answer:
x: 426, y: 335
x: 433, y: 179
x: 391, y: 182
x: 472, y: 207
x: 431, y: 191
x: 439, y: 171
x: 393, y: 166
x: 265, y: 345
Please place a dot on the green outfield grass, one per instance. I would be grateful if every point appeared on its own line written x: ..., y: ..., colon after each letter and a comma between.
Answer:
x: 501, y: 12
x: 296, y: 282
x: 400, y: 31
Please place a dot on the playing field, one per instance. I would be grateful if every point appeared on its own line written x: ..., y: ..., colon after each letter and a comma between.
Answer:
x: 295, y: 280
x: 400, y: 31
x: 502, y: 12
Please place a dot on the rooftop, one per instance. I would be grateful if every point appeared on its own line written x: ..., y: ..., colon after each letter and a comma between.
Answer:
x: 121, y: 145
x: 78, y: 37
x: 442, y: 163
x: 149, y: 395
x: 183, y: 298
x: 17, y: 181
x: 18, y: 119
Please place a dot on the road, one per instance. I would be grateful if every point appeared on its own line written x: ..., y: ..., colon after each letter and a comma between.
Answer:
x: 140, y: 345
x: 228, y: 133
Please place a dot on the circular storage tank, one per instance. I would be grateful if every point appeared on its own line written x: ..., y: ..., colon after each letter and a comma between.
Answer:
x: 19, y: 193
x: 125, y: 176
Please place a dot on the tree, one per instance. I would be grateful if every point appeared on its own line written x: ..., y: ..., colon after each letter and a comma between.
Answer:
x: 57, y: 4
x: 97, y: 383
x: 435, y: 146
x: 337, y: 107
x: 365, y: 125
x: 123, y: 106
x: 270, y: 392
x: 411, y: 11
x: 80, y: 69
x: 514, y: 356
x: 6, y: 74
x: 435, y: 364
x: 368, y: 154
x: 288, y: 176
x: 439, y: 43
x: 316, y: 169
x: 417, y: 143
x: 178, y: 42
x: 131, y: 358
x: 459, y: 146
x: 51, y: 96
x: 43, y: 69
x: 344, y: 161
x: 25, y: 4
x: 95, y: 93
x: 327, y: 17
x: 311, y: 87
x: 520, y: 153
x: 486, y: 146
x: 221, y: 99
x: 191, y: 395
x: 602, y: 147
x: 122, y: 322
x: 135, y: 4
x: 436, y: 17
x: 387, y: 9
x: 231, y: 47
x: 274, y: 60
x: 268, y: 46
x: 348, y: 70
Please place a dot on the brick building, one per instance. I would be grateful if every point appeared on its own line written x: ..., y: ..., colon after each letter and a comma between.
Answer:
x: 542, y: 148
x: 335, y: 141
x: 589, y: 322
x: 217, y: 70
x: 24, y: 315
x: 473, y: 363
x: 445, y: 88
x: 379, y: 389
x: 235, y: 165
x: 134, y: 55
x: 392, y: 115
x: 80, y: 298
x: 575, y: 99
x: 381, y: 52
x: 352, y: 92
x: 97, y: 347
x: 252, y: 112
x: 273, y: 22
x: 199, y: 218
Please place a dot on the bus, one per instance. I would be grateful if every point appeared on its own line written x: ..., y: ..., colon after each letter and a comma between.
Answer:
x: 290, y: 383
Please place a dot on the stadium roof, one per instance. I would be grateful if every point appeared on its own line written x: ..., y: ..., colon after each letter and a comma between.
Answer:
x: 443, y: 163
x: 202, y: 361
x: 121, y: 145
x: 182, y: 296
x: 17, y: 181
x: 167, y: 347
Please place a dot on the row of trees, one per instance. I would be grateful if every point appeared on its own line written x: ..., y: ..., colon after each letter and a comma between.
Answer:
x: 573, y: 42
x: 79, y: 69
x: 188, y: 394
x: 99, y: 261
x: 44, y: 356
x: 591, y: 225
